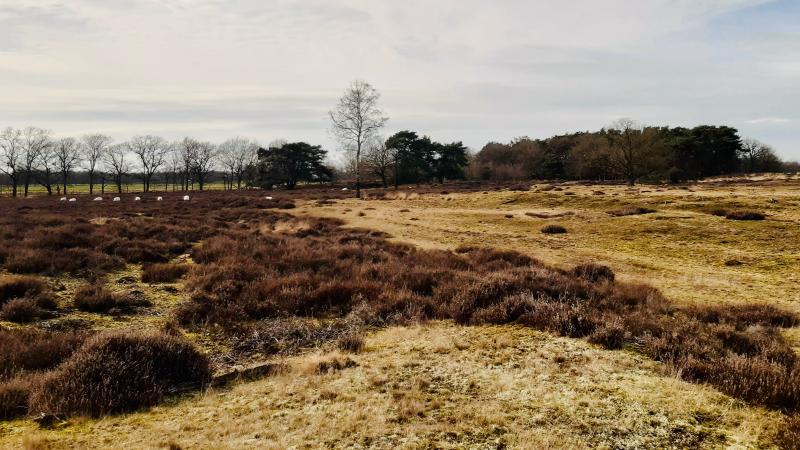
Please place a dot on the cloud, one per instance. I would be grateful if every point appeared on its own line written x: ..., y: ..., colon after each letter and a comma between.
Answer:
x: 454, y: 69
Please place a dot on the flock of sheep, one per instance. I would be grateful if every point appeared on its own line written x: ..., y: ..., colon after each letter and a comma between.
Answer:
x: 116, y: 199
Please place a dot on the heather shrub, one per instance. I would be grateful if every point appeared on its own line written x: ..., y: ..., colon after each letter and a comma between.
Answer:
x: 631, y: 211
x: 351, y: 342
x: 594, y: 272
x: 14, y: 398
x: 119, y: 372
x: 29, y: 350
x: 745, y: 215
x: 163, y: 273
x: 15, y: 286
x: 553, y: 229
x: 96, y: 298
x: 21, y: 310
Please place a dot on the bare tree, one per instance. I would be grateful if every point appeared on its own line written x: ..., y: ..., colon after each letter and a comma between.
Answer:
x: 94, y: 147
x: 67, y: 153
x: 236, y: 155
x: 11, y: 147
x: 379, y: 159
x: 205, y: 157
x: 634, y: 150
x: 174, y: 165
x: 34, y: 142
x: 187, y: 149
x: 116, y: 159
x: 151, y: 152
x: 356, y: 119
x: 47, y: 165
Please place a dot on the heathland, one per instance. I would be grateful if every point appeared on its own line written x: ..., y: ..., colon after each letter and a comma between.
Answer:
x: 464, y: 315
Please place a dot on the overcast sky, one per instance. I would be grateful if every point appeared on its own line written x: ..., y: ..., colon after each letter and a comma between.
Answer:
x: 471, y: 70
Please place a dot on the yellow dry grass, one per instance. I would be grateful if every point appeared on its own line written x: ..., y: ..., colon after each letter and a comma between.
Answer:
x: 437, y: 386
x: 680, y: 249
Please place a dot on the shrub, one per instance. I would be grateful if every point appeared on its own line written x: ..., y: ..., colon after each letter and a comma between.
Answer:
x: 610, y: 335
x: 28, y: 350
x: 163, y: 273
x: 593, y: 272
x: 20, y: 310
x: 14, y: 398
x: 631, y: 211
x: 745, y: 215
x: 351, y: 342
x: 118, y: 372
x: 553, y: 229
x: 96, y: 298
x: 14, y: 286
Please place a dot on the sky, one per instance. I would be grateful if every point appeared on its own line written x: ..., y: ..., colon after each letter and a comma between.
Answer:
x: 468, y: 70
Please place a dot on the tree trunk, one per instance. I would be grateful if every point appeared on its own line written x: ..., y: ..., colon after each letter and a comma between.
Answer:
x: 91, y: 182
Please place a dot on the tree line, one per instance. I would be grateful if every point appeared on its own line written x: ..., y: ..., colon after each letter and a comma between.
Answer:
x: 631, y: 152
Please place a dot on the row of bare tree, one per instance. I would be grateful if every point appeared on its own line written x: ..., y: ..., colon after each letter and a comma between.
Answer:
x: 33, y: 156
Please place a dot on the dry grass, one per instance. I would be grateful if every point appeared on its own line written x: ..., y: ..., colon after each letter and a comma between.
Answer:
x: 417, y: 388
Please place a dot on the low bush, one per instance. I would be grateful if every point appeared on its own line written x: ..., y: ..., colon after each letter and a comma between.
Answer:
x: 21, y: 310
x: 593, y: 272
x: 631, y: 211
x: 96, y: 298
x: 14, y: 398
x: 118, y: 372
x: 745, y: 215
x: 15, y: 286
x: 553, y: 229
x: 27, y: 350
x: 163, y: 273
x: 351, y: 342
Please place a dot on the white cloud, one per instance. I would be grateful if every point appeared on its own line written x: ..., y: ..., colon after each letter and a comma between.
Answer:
x: 455, y: 69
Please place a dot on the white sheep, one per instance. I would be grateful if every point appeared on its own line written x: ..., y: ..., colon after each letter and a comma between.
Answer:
x: 73, y: 199
x: 63, y: 199
x: 186, y: 198
x: 268, y: 198
x: 117, y: 199
x: 344, y: 189
x: 98, y: 199
x: 137, y: 199
x: 158, y: 199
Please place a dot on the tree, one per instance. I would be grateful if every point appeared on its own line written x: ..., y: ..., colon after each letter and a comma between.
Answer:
x: 151, y: 152
x: 236, y: 155
x: 402, y: 144
x: 34, y: 142
x: 290, y: 163
x: 94, y: 147
x: 67, y: 152
x: 356, y: 119
x: 115, y: 158
x: 380, y: 158
x: 11, y: 147
x: 204, y: 158
x: 759, y: 157
x: 187, y: 149
x: 634, y: 150
x: 450, y: 160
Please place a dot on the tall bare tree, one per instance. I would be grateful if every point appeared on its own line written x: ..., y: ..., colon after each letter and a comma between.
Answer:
x: 34, y: 142
x: 379, y: 159
x: 205, y: 157
x: 187, y: 149
x: 46, y: 166
x: 356, y: 119
x: 236, y: 155
x: 11, y: 148
x: 67, y: 152
x: 151, y: 151
x: 634, y: 151
x: 94, y: 147
x: 116, y: 159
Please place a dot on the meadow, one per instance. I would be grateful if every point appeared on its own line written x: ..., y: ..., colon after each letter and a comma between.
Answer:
x: 464, y: 315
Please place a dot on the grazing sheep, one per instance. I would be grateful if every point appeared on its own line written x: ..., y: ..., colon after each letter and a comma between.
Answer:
x: 73, y: 199
x: 117, y: 199
x: 98, y: 199
x: 137, y: 199
x: 344, y: 189
x: 158, y: 199
x: 186, y: 198
x: 268, y: 198
x: 63, y: 199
